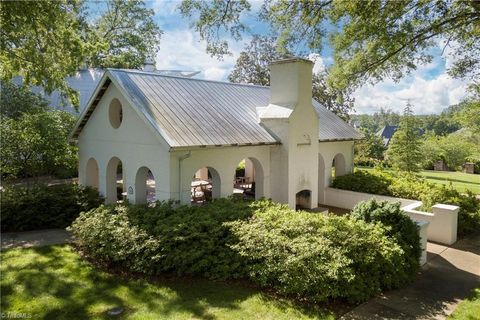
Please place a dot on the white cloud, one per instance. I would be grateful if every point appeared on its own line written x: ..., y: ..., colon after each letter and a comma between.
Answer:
x: 426, y: 95
x: 319, y: 64
x: 182, y: 49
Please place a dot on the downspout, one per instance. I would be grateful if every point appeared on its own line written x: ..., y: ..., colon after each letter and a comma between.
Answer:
x: 180, y: 159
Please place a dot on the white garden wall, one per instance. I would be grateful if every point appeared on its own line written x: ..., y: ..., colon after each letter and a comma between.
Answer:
x: 442, y: 221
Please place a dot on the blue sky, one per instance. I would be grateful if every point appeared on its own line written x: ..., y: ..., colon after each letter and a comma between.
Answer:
x: 429, y: 88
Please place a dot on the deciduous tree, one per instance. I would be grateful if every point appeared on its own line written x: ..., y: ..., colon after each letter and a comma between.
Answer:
x: 16, y: 100
x: 371, y: 40
x: 41, y: 41
x: 46, y: 41
x: 129, y: 33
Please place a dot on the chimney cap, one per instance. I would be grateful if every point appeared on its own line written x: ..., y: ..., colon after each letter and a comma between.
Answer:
x: 290, y: 60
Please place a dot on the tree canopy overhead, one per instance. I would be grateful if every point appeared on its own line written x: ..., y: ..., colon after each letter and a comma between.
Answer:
x: 41, y: 41
x: 46, y: 41
x: 371, y: 40
x: 129, y: 32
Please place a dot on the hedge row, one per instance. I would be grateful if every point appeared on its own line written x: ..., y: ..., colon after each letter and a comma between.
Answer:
x: 307, y: 255
x: 411, y: 186
x: 44, y: 207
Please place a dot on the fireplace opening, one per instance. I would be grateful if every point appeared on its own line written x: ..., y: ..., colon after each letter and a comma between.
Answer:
x: 303, y: 200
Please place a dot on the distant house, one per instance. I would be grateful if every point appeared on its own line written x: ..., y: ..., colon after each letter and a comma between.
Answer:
x: 386, y: 133
x: 186, y: 133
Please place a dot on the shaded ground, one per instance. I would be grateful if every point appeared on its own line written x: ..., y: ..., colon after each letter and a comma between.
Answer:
x: 53, y: 282
x: 29, y: 239
x: 448, y: 278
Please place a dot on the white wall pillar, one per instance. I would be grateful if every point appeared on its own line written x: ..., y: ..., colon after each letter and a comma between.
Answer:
x: 446, y: 220
x: 249, y: 170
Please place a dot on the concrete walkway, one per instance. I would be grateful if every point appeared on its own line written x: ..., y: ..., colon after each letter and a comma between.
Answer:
x: 34, y: 238
x: 448, y: 278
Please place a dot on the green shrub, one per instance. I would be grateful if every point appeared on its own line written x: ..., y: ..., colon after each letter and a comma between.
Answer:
x: 307, y: 255
x: 398, y: 226
x: 107, y: 234
x: 44, y: 207
x: 188, y: 239
x: 316, y: 257
x: 363, y: 181
x: 412, y: 186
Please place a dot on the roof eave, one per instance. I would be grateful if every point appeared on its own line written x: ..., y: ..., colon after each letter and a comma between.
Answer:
x: 257, y: 144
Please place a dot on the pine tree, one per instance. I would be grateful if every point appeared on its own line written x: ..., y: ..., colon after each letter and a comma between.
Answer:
x: 405, y: 149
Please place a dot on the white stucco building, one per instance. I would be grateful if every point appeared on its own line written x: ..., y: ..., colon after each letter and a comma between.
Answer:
x: 177, y: 128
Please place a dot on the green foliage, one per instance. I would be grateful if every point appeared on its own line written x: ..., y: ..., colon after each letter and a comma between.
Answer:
x: 411, y: 186
x: 404, y: 151
x: 181, y: 240
x: 469, y: 116
x: 37, y: 144
x: 369, y: 151
x: 316, y: 257
x: 306, y: 255
x: 363, y: 181
x: 128, y: 32
x: 216, y: 19
x: 44, y: 207
x: 398, y: 226
x: 240, y: 169
x: 373, y: 123
x: 41, y: 41
x: 453, y: 150
x: 16, y: 100
x: 370, y: 40
x: 46, y: 41
x: 252, y: 66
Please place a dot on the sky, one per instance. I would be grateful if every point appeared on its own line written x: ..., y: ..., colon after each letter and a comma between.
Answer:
x: 429, y: 89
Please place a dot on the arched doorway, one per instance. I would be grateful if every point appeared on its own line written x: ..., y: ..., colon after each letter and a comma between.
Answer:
x: 144, y: 186
x: 303, y: 200
x: 205, y: 185
x: 91, y: 173
x: 248, y: 179
x: 115, y: 178
x: 338, y: 166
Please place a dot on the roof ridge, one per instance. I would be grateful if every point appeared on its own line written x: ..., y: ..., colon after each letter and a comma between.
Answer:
x: 184, y: 78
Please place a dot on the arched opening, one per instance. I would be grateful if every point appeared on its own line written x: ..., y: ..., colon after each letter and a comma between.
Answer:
x: 338, y: 166
x: 91, y: 174
x: 205, y: 185
x: 144, y: 186
x: 321, y: 179
x: 303, y: 200
x: 115, y: 178
x: 115, y: 113
x: 248, y: 179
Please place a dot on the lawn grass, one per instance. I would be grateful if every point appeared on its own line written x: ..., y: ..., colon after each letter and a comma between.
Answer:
x: 468, y: 309
x: 460, y: 181
x: 54, y: 282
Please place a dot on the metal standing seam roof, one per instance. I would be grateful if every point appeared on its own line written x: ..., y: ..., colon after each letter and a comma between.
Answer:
x: 192, y: 112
